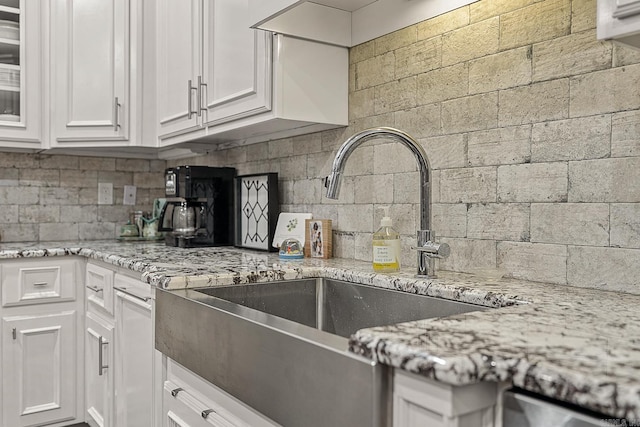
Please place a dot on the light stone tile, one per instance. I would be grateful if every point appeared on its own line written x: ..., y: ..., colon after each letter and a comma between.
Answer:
x: 38, y: 214
x: 540, y: 21
x: 333, y: 138
x: 361, y: 103
x: 9, y: 177
x: 323, y: 211
x: 280, y: 148
x: 146, y: 180
x: 346, y: 193
x: 484, y: 9
x: 536, y: 262
x: 570, y: 223
x: 393, y: 158
x: 19, y: 195
x: 80, y: 178
x: 435, y: 186
x: 307, y: 144
x: 374, y: 189
x: 154, y: 166
x: 89, y: 196
x: 258, y: 152
x: 361, y: 161
x: 606, y: 91
x: 294, y: 167
x: 363, y: 246
x: 395, y: 40
x: 386, y: 119
x: 449, y: 220
x: 19, y: 160
x: 39, y: 177
x: 406, y: 187
x: 395, y: 95
x: 605, y: 180
x: 445, y: 152
x: 443, y: 23
x: 421, y: 121
x: 115, y: 214
x: 469, y: 254
x: 79, y: 213
x: 118, y: 179
x: 625, y: 225
x: 499, y: 221
x: 539, y: 182
x: 361, y: 52
x: 352, y: 78
x: 443, y: 84
x: 375, y: 71
x: 98, y: 230
x: 570, y: 55
x: 609, y: 269
x: 10, y: 213
x: 463, y: 44
x: 19, y: 232
x: 236, y: 155
x: 476, y: 112
x: 285, y: 192
x: 343, y: 244
x: 624, y: 55
x: 625, y: 134
x: 404, y: 217
x: 319, y: 165
x: 419, y: 57
x: 356, y: 218
x: 408, y: 257
x: 572, y: 139
x: 108, y: 164
x: 537, y: 102
x: 468, y: 185
x: 250, y: 168
x: 307, y: 191
x: 59, y: 196
x: 58, y: 232
x: 583, y: 15
x: 500, y: 71
x: 500, y: 146
x: 132, y: 165
x: 48, y: 161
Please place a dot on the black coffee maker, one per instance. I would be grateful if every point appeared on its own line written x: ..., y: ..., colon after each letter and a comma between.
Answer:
x: 199, y: 209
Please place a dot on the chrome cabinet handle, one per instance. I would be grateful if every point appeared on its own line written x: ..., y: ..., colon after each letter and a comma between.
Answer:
x: 95, y: 289
x: 202, y: 106
x: 116, y: 115
x: 190, y: 88
x: 101, y: 367
x: 125, y: 291
x: 13, y: 333
x: 175, y: 391
x: 206, y: 413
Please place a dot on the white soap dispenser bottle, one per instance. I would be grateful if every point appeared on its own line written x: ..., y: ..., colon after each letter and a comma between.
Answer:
x: 386, y: 246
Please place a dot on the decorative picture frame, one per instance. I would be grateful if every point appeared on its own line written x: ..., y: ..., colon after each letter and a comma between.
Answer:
x: 319, y: 238
x: 257, y: 210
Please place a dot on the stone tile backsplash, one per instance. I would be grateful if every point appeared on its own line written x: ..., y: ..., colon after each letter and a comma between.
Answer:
x: 53, y: 197
x: 532, y: 127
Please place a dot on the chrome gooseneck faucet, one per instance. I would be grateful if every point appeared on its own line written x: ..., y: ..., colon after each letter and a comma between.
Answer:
x: 428, y: 249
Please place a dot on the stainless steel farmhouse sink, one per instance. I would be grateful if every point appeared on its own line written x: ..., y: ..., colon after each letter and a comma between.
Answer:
x: 282, y: 347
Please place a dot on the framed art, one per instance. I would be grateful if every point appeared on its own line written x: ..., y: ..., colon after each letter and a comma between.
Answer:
x: 257, y: 209
x: 318, y: 241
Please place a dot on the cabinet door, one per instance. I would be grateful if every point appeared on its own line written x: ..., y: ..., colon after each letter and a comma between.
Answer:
x: 99, y: 386
x: 90, y: 66
x: 20, y: 73
x: 179, y: 49
x: 133, y: 357
x: 39, y: 368
x: 237, y: 62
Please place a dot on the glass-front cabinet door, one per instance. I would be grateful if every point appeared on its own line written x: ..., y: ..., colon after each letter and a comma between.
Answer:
x: 20, y: 68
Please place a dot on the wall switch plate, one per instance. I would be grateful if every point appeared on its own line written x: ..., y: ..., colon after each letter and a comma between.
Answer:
x: 105, y: 193
x: 129, y: 195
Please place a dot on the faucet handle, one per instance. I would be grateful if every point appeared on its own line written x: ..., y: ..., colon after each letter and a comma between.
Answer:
x: 434, y: 250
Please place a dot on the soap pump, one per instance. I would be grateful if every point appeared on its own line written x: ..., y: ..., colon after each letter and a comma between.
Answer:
x: 386, y: 246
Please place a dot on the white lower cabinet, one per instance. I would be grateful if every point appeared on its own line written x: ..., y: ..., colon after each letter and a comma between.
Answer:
x: 41, y: 316
x: 419, y: 402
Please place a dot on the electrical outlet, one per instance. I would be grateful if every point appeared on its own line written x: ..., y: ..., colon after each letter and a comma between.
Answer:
x: 105, y: 193
x: 129, y: 195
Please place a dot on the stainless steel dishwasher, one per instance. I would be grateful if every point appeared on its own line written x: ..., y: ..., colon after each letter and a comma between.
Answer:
x: 525, y: 410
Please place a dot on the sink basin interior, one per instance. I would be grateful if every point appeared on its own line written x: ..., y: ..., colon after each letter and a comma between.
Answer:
x: 337, y: 307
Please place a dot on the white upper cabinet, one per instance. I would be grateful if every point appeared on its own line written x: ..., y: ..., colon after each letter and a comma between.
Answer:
x: 619, y: 20
x: 93, y: 101
x: 344, y: 22
x: 20, y: 73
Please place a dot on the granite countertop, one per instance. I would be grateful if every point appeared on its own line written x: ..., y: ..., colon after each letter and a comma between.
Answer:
x: 578, y: 345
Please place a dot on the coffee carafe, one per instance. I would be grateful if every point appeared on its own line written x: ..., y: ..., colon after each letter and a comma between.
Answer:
x: 186, y: 219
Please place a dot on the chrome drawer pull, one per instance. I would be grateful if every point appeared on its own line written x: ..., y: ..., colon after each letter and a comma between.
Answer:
x: 125, y: 291
x: 206, y: 412
x: 40, y: 284
x: 175, y: 391
x: 95, y: 289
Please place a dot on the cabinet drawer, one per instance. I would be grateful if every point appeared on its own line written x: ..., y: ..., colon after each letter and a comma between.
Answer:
x: 99, y: 282
x: 38, y: 280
